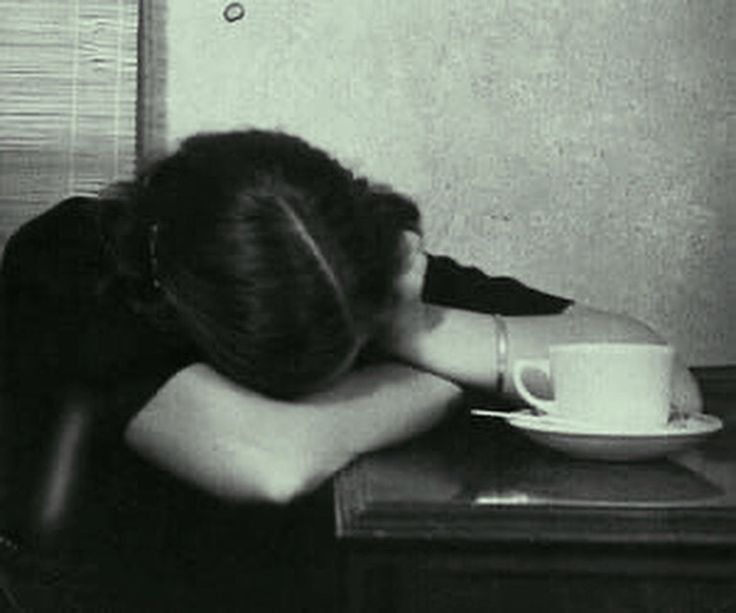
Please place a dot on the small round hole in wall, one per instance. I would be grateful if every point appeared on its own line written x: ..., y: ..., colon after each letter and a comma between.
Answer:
x: 233, y: 12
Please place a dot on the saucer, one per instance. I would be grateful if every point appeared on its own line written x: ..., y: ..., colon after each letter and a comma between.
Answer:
x: 582, y: 441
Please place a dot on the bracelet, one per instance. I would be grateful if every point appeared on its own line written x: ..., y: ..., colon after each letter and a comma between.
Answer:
x: 502, y: 352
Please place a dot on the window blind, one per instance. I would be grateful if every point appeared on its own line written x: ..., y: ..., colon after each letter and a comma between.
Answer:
x: 67, y: 109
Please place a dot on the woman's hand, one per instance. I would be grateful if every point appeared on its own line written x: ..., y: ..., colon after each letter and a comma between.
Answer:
x: 409, y: 319
x: 611, y: 327
x: 687, y: 398
x: 405, y: 326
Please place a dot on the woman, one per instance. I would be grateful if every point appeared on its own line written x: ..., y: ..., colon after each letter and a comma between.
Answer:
x: 247, y: 317
x: 221, y: 303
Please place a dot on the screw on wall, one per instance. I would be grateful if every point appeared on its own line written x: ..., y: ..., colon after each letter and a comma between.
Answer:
x: 234, y: 11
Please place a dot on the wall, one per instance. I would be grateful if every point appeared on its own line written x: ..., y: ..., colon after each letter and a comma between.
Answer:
x: 581, y: 146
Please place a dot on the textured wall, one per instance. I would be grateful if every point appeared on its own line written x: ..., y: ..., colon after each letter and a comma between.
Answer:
x: 581, y: 145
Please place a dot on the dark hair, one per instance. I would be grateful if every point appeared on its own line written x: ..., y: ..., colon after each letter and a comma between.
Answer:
x: 272, y: 257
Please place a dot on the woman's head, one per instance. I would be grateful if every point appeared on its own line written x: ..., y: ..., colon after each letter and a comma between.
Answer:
x: 276, y: 260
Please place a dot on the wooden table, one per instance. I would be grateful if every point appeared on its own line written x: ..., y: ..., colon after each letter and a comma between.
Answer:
x: 475, y: 517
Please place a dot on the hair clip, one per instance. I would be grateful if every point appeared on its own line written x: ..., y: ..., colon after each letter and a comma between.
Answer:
x: 153, y: 255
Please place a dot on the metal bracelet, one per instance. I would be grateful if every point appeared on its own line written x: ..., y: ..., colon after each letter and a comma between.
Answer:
x: 502, y: 352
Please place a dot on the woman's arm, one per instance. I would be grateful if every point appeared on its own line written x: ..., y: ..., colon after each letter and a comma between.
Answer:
x: 241, y: 446
x: 461, y: 345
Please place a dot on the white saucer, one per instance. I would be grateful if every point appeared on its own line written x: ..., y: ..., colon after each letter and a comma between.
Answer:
x: 584, y: 442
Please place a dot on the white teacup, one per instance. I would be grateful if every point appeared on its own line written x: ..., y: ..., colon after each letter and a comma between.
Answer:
x: 615, y: 387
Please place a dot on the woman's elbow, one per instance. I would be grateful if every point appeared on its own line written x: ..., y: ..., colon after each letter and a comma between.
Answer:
x: 273, y: 488
x: 283, y: 489
x: 280, y: 482
x: 233, y: 473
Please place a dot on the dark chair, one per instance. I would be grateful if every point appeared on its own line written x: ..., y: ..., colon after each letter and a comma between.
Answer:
x: 58, y: 552
x: 67, y: 541
x: 92, y: 528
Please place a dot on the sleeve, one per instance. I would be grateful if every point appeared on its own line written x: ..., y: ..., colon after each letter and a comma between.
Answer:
x: 448, y: 283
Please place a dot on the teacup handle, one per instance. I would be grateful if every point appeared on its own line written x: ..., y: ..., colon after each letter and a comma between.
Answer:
x: 520, y: 367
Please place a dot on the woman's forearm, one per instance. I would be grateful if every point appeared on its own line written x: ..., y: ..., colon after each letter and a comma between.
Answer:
x: 239, y: 445
x: 378, y: 406
x: 462, y: 345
